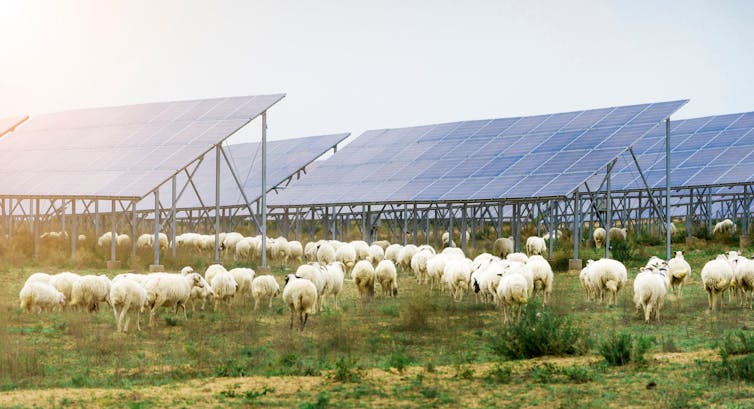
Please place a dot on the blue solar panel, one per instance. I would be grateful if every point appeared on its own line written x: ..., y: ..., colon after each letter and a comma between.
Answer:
x: 716, y: 150
x: 543, y: 155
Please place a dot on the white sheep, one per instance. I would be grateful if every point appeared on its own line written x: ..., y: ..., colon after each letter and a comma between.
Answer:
x: 502, y: 247
x: 212, y: 271
x: 650, y: 288
x: 618, y: 234
x: 405, y: 255
x: 512, y: 292
x: 63, y: 282
x: 543, y: 277
x: 243, y: 277
x: 392, y: 252
x: 295, y: 251
x: 486, y: 279
x: 123, y: 240
x: 325, y: 253
x: 346, y: 254
x: 362, y: 249
x: 386, y: 275
x: 363, y: 276
x: 225, y: 287
x: 743, y: 272
x: 557, y: 234
x: 301, y: 297
x: 39, y: 296
x: 165, y: 289
x: 535, y: 245
x: 203, y: 292
x: 263, y: 289
x: 608, y: 277
x: 517, y: 258
x: 230, y: 241
x: 313, y: 272
x: 89, y: 291
x: 717, y: 276
x: 599, y: 234
x: 419, y: 265
x: 455, y: 251
x: 679, y: 271
x: 446, y: 239
x: 333, y: 276
x: 310, y: 251
x: 586, y: 283
x: 243, y: 249
x: 457, y: 275
x: 382, y: 243
x: 426, y: 247
x: 436, y: 269
x: 38, y: 278
x: 127, y: 295
x: 725, y: 227
x: 376, y: 254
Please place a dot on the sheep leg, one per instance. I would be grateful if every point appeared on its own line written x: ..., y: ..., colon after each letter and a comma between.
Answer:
x: 303, y: 321
x: 138, y: 319
x: 158, y: 303
x: 117, y: 320
x: 270, y: 303
x: 183, y: 307
x: 647, y: 312
x: 292, y: 314
x: 336, y: 301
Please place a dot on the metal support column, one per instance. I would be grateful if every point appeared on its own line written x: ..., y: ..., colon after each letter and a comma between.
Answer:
x: 172, y: 218
x: 35, y: 226
x: 450, y: 226
x: 463, y: 228
x: 264, y: 190
x: 551, y: 229
x: 74, y: 228
x: 114, y: 235
x: 608, y: 211
x: 576, y: 224
x: 217, y: 204
x: 156, y: 226
x: 667, y: 189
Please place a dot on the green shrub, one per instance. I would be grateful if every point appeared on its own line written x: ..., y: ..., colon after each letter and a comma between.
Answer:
x: 499, y: 374
x: 741, y: 369
x: 578, y: 374
x: 737, y: 343
x: 620, y: 349
x: 539, y: 333
x: 345, y: 371
x: 622, y: 250
x: 399, y: 360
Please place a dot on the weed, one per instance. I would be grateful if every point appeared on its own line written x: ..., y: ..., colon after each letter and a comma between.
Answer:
x: 466, y: 373
x: 620, y: 349
x: 323, y: 400
x: 399, y: 360
x: 430, y: 367
x: 171, y: 321
x: 345, y: 371
x: 499, y: 374
x: 622, y: 250
x: 737, y: 343
x: 251, y: 395
x: 231, y: 391
x: 577, y: 374
x: 544, y: 373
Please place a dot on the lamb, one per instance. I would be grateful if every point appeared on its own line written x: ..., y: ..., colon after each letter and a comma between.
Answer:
x: 679, y: 271
x: 376, y: 254
x: 313, y: 272
x: 502, y: 247
x: 650, y: 288
x: 512, y: 292
x: 295, y: 251
x: 404, y: 257
x: 586, y: 282
x: 243, y: 277
x: 535, y: 245
x: 63, y: 282
x: 542, y: 272
x: 363, y: 276
x: 618, y: 234
x: 599, y: 235
x: 127, y: 295
x: 301, y: 297
x: 40, y: 296
x: 333, y: 275
x: 346, y: 254
x: 387, y: 276
x: 170, y: 290
x: 608, y: 277
x: 716, y: 278
x: 263, y: 289
x: 725, y: 227
x: 225, y: 287
x: 89, y: 291
x: 325, y: 253
x: 38, y: 278
x: 392, y: 252
x: 203, y: 293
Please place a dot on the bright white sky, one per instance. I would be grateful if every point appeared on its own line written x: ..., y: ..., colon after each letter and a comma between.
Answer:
x: 358, y: 65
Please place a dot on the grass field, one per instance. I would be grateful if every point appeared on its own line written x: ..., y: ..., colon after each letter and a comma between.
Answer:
x: 420, y: 349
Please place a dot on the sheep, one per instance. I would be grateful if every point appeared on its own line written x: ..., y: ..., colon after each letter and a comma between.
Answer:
x: 557, y: 234
x: 599, y: 235
x: 517, y: 258
x: 457, y: 276
x: 123, y: 240
x: 716, y: 276
x: 89, y: 291
x: 310, y: 251
x: 586, y: 282
x: 213, y: 270
x: 608, y: 277
x: 446, y: 242
x: 263, y: 289
x: 301, y: 297
x: 278, y: 250
x: 535, y: 245
x: 502, y: 247
x: 363, y: 276
x: 325, y: 253
x: 242, y: 249
x: 362, y: 249
x: 40, y: 296
x: 225, y: 287
x: 725, y: 227
x: 165, y: 289
x: 387, y: 276
x: 63, y: 282
x: 486, y: 279
x: 295, y: 251
x: 618, y: 234
x: 405, y: 255
x: 543, y: 275
x: 105, y: 240
x: 243, y: 277
x: 419, y: 265
x: 655, y: 263
x: 392, y: 252
x: 230, y: 241
x: 313, y: 272
x: 38, y: 278
x: 650, y: 288
x: 81, y: 237
x: 436, y: 268
x: 376, y: 254
x: 426, y: 247
x: 126, y: 295
x: 203, y: 293
x: 679, y: 271
x: 346, y: 254
x: 743, y: 273
x: 333, y: 275
x: 453, y: 251
x: 512, y: 292
x: 382, y: 243
x: 145, y: 241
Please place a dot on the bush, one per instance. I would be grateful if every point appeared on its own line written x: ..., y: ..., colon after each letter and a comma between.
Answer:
x: 345, y: 371
x: 735, y: 369
x: 499, y: 374
x: 620, y: 349
x: 539, y: 333
x: 737, y: 343
x: 622, y: 250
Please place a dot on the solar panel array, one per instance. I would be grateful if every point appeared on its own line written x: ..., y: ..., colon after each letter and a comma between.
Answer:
x: 284, y: 158
x: 7, y: 124
x: 523, y: 157
x: 123, y: 151
x: 709, y: 151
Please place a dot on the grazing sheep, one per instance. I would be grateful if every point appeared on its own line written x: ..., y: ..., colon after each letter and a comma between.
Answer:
x: 453, y: 251
x: 650, y: 288
x: 387, y: 276
x: 263, y: 289
x: 127, y: 295
x: 63, y: 282
x: 346, y: 254
x: 512, y: 292
x: 557, y: 234
x: 436, y: 269
x: 38, y: 278
x: 679, y: 271
x: 38, y: 296
x: 225, y: 287
x: 89, y: 291
x: 123, y: 240
x: 313, y: 272
x: 212, y: 271
x: 243, y: 277
x: 242, y: 249
x: 230, y: 241
x: 404, y: 257
x: 517, y: 258
x: 376, y: 254
x: 203, y: 293
x: 502, y: 247
x: 725, y: 227
x: 325, y: 253
x: 333, y: 276
x: 446, y: 239
x: 310, y: 251
x: 295, y: 251
x: 599, y: 235
x: 618, y: 234
x: 717, y: 276
x: 165, y: 289
x: 105, y: 240
x: 392, y: 252
x: 278, y: 250
x: 362, y: 249
x: 608, y: 277
x: 586, y: 283
x: 301, y: 297
x: 419, y: 265
x: 363, y: 276
x: 426, y: 247
x: 535, y: 245
x: 382, y: 243
x: 743, y: 273
x: 486, y: 279
x: 543, y: 277
x: 457, y: 275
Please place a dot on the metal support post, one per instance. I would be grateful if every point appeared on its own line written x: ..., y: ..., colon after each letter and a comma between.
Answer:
x: 74, y: 233
x: 172, y: 217
x: 667, y: 189
x: 450, y: 226
x: 156, y: 226
x: 609, y: 211
x: 35, y: 229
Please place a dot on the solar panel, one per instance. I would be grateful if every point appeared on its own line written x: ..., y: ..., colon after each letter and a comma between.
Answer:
x: 123, y: 151
x: 284, y: 158
x: 708, y: 151
x: 523, y: 157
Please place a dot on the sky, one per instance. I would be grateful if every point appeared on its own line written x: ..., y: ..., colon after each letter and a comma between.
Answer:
x: 350, y: 66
